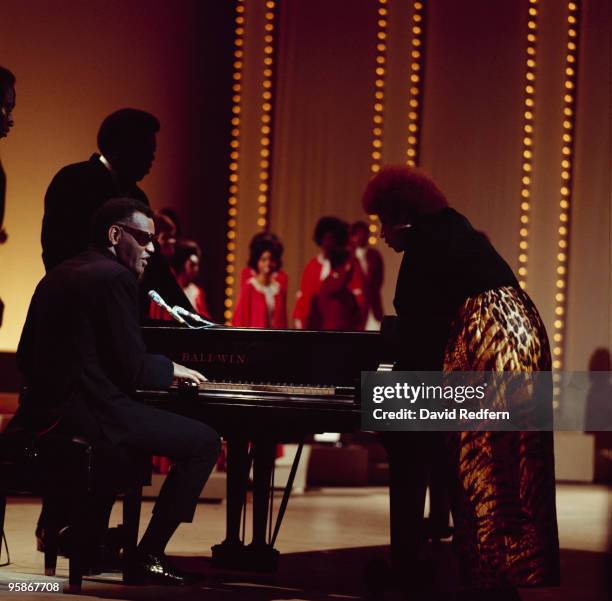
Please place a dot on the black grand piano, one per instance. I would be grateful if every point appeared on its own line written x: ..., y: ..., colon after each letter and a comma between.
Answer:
x: 265, y: 387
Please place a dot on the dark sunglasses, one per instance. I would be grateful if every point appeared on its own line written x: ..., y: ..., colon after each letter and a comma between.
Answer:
x: 142, y: 238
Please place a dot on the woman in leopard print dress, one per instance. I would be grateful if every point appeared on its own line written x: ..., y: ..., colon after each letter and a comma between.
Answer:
x: 460, y: 308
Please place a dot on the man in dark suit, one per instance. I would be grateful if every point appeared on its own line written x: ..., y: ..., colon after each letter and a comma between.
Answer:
x: 82, y: 356
x: 127, y: 144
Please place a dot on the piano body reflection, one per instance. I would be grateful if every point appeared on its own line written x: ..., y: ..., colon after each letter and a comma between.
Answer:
x: 265, y: 387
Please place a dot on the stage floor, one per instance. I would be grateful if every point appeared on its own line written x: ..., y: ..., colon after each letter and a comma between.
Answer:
x: 327, y: 538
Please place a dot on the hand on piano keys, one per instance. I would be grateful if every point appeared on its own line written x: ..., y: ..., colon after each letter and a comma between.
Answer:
x: 185, y: 375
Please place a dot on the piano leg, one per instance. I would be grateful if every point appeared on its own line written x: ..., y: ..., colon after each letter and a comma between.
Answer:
x: 263, y: 556
x: 231, y: 552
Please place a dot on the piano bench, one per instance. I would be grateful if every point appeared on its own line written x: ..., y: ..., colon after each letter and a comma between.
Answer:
x: 40, y: 465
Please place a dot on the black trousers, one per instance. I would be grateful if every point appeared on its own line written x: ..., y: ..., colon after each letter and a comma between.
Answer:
x: 192, y: 445
x: 413, y: 458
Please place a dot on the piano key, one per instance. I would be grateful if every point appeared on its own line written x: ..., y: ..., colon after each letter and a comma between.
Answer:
x: 270, y: 388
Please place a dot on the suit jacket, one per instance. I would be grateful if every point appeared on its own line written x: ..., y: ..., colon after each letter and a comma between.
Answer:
x: 81, y: 352
x: 71, y: 199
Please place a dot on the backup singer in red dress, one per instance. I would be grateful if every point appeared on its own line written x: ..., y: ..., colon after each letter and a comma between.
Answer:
x: 262, y: 302
x: 331, y: 290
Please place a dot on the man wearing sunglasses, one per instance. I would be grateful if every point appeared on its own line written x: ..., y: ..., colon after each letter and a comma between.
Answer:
x: 81, y: 354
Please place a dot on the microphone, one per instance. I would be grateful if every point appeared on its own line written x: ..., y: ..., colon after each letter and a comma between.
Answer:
x: 158, y: 300
x: 184, y: 313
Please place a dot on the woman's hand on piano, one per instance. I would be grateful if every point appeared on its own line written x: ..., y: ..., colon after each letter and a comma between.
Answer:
x: 184, y: 374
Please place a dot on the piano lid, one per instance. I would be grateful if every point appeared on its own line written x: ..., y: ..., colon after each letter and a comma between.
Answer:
x: 298, y: 357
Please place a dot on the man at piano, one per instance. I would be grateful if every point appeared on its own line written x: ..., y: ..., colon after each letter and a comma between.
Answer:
x: 82, y: 356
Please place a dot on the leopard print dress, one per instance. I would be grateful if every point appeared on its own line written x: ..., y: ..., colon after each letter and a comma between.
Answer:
x: 504, y: 493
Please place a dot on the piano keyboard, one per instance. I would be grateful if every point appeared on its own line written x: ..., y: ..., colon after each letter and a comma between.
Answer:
x: 280, y: 389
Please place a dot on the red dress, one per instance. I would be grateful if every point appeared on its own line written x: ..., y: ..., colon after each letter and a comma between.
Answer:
x: 261, y: 306
x: 331, y: 298
x: 280, y: 276
x: 197, y: 298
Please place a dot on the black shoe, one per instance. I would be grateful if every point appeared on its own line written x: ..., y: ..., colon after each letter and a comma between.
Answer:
x: 149, y: 568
